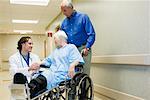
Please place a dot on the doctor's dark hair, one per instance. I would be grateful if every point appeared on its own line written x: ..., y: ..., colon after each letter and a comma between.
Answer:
x: 21, y: 41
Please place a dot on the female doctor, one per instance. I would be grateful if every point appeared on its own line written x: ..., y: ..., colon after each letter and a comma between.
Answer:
x: 24, y: 61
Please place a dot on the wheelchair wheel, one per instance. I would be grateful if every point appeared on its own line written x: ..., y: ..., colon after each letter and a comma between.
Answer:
x: 45, y: 97
x: 84, y: 87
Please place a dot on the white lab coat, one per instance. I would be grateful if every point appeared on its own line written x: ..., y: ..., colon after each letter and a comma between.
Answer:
x: 18, y: 64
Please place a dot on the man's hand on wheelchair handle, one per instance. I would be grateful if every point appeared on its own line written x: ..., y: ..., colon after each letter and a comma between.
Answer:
x: 84, y: 52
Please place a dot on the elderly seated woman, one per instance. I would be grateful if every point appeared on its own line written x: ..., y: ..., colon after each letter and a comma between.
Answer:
x: 61, y: 62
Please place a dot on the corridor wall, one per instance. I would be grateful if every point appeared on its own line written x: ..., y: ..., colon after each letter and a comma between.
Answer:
x: 122, y: 32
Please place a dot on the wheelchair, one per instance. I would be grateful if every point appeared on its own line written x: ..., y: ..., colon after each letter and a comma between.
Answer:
x: 80, y: 87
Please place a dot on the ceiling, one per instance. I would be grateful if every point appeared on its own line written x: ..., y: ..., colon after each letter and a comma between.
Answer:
x: 45, y: 14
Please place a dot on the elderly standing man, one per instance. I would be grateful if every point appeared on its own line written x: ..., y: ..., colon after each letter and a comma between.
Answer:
x: 79, y: 30
x: 24, y: 61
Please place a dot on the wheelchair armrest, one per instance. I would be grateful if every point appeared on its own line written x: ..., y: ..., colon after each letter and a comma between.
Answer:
x: 79, y: 67
x: 64, y: 83
x: 44, y: 66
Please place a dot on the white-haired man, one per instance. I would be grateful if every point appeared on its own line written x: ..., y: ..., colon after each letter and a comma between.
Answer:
x: 62, y: 62
x: 79, y: 30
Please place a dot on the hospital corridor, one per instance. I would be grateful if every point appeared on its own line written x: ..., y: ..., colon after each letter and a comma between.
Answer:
x: 75, y: 49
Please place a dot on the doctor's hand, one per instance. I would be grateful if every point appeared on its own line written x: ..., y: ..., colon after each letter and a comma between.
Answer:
x: 34, y: 66
x: 71, y: 71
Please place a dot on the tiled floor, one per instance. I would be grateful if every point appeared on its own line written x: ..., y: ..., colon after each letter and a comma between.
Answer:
x: 5, y: 93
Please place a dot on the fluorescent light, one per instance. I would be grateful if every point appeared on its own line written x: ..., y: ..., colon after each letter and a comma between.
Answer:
x: 25, y: 21
x: 23, y: 31
x: 30, y: 2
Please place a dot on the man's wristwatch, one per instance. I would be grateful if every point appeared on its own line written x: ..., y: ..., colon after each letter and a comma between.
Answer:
x: 87, y: 49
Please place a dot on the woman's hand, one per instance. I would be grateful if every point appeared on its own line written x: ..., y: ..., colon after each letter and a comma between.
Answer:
x: 71, y: 71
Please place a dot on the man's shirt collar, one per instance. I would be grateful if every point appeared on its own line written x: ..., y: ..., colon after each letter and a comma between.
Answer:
x: 72, y: 15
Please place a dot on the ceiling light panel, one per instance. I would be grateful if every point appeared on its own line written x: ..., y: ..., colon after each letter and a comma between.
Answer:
x: 25, y: 21
x: 30, y: 2
x: 23, y: 31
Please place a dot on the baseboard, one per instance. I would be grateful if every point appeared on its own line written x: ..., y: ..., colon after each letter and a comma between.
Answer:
x: 114, y: 94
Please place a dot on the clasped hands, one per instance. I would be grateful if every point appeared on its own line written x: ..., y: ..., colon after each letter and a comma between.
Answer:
x: 34, y: 67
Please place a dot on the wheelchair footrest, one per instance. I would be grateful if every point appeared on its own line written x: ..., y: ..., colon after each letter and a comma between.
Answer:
x: 37, y: 94
x: 18, y: 91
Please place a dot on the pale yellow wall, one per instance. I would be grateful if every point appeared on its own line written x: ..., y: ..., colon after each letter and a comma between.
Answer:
x: 52, y: 28
x: 0, y: 53
x: 122, y: 28
x: 9, y: 44
x: 0, y: 46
